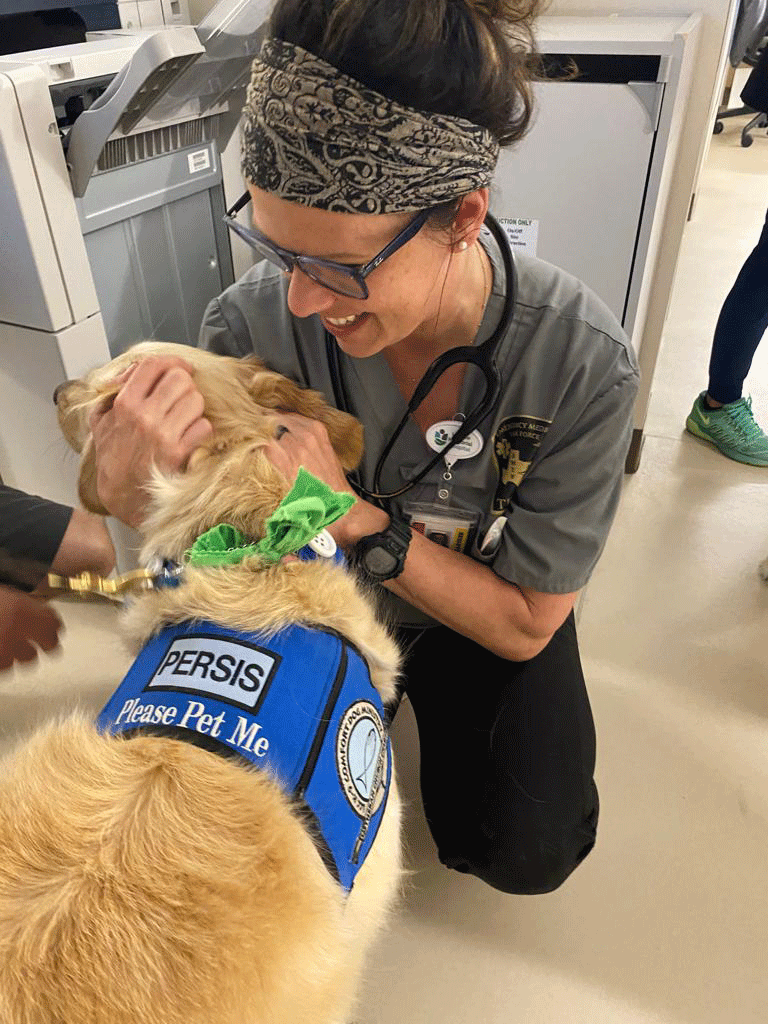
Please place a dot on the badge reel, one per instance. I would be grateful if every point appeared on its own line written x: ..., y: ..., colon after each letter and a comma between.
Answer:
x: 438, y: 521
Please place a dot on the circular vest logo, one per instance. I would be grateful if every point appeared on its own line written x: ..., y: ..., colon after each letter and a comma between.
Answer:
x: 361, y: 757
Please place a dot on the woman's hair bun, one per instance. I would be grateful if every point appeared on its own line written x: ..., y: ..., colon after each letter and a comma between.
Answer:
x: 489, y: 8
x: 513, y: 11
x: 474, y: 59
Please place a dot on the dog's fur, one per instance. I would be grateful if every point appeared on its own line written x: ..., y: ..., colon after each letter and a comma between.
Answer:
x: 147, y: 881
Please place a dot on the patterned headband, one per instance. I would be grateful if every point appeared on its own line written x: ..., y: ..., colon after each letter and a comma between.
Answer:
x: 314, y: 136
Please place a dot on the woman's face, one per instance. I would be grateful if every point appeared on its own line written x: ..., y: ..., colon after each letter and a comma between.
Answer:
x: 406, y: 292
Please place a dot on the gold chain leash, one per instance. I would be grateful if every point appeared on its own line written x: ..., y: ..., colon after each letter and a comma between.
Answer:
x: 114, y: 588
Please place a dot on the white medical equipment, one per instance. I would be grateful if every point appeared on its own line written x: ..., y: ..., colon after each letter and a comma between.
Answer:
x: 111, y: 206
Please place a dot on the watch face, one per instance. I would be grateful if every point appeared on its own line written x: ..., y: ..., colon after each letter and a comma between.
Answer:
x: 379, y: 562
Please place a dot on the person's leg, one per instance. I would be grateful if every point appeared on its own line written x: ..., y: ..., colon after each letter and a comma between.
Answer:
x: 742, y: 323
x: 507, y: 758
x: 720, y: 415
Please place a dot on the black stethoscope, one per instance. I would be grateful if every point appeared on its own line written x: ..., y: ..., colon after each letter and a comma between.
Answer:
x: 482, y: 356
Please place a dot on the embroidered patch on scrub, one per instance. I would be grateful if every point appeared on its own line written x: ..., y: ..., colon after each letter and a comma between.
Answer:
x: 515, y: 444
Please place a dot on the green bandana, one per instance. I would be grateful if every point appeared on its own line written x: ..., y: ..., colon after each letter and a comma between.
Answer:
x: 309, y: 507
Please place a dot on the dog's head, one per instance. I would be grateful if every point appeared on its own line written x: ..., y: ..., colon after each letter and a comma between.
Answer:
x: 229, y: 478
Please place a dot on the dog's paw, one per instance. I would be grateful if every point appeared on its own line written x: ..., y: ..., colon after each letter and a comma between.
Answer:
x: 762, y: 570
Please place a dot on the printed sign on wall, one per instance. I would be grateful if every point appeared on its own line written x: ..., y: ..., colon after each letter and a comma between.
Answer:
x: 523, y: 233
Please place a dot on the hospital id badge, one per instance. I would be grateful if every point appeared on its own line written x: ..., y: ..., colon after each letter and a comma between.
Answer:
x: 452, y: 528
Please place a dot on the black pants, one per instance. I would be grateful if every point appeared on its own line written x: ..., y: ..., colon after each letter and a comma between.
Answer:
x: 740, y: 326
x: 507, y: 757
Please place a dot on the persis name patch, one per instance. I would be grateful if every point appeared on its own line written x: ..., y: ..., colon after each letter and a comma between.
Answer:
x: 236, y: 672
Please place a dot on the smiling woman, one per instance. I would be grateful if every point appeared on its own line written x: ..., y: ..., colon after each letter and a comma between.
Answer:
x: 378, y: 292
x: 371, y: 134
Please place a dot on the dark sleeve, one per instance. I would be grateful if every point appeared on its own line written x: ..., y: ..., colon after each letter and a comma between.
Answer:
x: 31, y: 532
x: 252, y: 317
x: 222, y: 335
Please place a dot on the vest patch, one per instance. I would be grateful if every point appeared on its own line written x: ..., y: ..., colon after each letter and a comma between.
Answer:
x: 300, y: 705
x: 360, y: 746
x: 231, y: 670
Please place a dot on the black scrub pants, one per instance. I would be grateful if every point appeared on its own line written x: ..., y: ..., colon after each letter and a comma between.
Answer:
x: 507, y: 757
x: 741, y: 325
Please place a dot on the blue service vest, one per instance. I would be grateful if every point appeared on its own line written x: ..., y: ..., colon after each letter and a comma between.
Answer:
x: 300, y: 705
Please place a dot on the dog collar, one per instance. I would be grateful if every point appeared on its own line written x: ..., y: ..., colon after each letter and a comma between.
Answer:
x: 297, y: 526
x: 299, y: 519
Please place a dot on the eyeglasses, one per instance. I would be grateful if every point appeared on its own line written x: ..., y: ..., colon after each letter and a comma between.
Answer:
x: 342, y: 278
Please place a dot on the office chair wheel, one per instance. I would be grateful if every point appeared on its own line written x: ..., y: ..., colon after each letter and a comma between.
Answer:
x: 746, y: 141
x: 718, y: 127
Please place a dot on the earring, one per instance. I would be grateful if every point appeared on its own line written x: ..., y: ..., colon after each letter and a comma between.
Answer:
x: 462, y: 246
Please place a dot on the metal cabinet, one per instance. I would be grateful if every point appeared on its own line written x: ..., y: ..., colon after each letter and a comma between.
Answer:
x: 586, y: 189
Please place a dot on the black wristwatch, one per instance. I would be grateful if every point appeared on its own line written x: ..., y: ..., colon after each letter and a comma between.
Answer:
x: 381, y: 556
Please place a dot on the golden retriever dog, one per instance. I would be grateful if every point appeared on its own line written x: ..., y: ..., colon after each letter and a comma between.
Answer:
x: 146, y: 879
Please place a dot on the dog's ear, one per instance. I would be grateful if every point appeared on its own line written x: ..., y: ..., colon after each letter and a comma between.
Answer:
x: 86, y: 484
x: 277, y: 392
x: 345, y: 433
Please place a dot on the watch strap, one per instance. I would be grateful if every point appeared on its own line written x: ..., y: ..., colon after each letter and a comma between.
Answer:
x: 393, y: 541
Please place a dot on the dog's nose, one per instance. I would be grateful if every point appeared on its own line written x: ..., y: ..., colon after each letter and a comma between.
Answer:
x: 58, y: 390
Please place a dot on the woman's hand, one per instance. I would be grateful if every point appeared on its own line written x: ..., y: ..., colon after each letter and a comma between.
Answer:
x: 156, y: 419
x: 25, y: 626
x: 305, y: 443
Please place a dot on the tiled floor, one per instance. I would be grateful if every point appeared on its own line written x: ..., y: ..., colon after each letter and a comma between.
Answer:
x: 667, y: 921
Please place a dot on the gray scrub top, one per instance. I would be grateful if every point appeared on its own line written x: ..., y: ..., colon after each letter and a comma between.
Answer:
x: 554, y: 451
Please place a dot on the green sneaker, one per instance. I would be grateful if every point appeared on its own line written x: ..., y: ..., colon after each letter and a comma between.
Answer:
x: 731, y: 429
